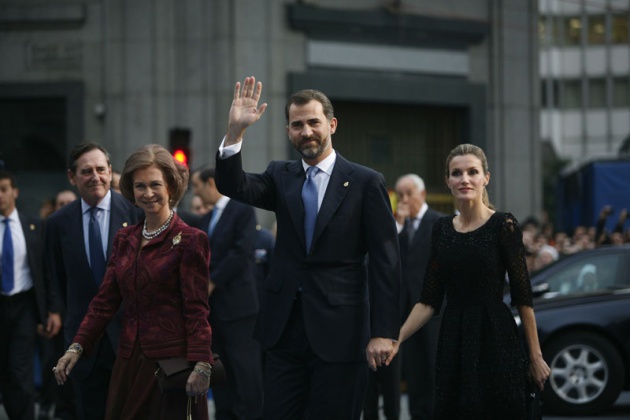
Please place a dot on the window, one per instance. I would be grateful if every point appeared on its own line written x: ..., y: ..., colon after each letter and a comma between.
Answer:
x: 595, y: 272
x: 596, y: 30
x: 549, y: 93
x: 572, y: 94
x: 572, y: 30
x: 597, y: 93
x: 620, y: 92
x: 542, y: 36
x: 619, y: 33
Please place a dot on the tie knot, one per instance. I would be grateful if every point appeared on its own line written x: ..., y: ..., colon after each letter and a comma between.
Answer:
x: 311, y: 171
x: 93, y: 211
x: 6, y: 221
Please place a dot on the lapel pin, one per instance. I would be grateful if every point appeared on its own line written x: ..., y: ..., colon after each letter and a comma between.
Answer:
x: 124, y: 224
x: 177, y: 239
x: 32, y: 226
x: 345, y: 184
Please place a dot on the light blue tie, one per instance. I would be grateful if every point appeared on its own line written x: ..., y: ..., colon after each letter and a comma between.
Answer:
x: 309, y: 197
x: 8, y: 269
x: 213, y: 220
x: 97, y: 257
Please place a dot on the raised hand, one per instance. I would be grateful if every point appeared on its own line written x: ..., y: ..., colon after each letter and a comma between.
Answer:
x: 245, y: 110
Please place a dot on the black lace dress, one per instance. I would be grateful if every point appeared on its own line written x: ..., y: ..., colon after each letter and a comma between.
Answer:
x: 481, y: 362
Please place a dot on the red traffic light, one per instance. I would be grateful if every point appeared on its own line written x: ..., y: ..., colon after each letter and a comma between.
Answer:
x: 180, y: 156
x: 179, y: 145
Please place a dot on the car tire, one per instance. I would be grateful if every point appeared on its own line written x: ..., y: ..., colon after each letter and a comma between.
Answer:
x: 587, y: 374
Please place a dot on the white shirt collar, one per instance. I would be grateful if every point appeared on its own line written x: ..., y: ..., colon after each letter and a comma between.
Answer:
x: 13, y: 216
x: 325, y: 165
x: 222, y: 202
x: 104, y: 204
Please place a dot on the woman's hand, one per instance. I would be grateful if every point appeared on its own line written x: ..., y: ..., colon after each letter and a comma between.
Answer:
x: 197, y: 384
x: 395, y: 349
x: 539, y: 371
x: 64, y: 366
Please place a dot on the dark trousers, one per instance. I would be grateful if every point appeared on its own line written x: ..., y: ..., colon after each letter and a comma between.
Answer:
x: 298, y: 384
x: 91, y: 391
x: 386, y: 382
x: 52, y: 396
x: 18, y: 332
x: 418, y: 358
x: 241, y: 397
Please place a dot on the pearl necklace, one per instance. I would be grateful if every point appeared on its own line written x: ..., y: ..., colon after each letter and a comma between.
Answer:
x: 150, y: 235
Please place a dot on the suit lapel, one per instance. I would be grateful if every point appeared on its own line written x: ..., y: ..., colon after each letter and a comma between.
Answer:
x: 73, y: 227
x: 118, y: 219
x: 30, y: 230
x: 292, y: 181
x: 340, y: 182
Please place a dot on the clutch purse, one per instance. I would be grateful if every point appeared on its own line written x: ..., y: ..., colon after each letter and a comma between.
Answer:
x: 172, y: 374
x: 533, y: 403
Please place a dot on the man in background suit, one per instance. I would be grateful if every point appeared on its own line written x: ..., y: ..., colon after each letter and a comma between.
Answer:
x: 414, y: 220
x: 231, y: 228
x: 70, y: 264
x: 25, y: 302
x: 326, y: 306
x: 263, y: 252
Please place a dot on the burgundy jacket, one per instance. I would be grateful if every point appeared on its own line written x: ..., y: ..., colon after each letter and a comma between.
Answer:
x: 163, y: 288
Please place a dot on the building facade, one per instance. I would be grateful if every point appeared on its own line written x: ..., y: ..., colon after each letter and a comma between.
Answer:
x: 585, y: 77
x: 409, y: 81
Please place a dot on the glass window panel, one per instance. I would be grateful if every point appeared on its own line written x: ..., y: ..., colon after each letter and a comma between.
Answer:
x: 542, y: 37
x: 596, y: 29
x: 590, y: 274
x: 556, y: 30
x: 597, y: 93
x: 572, y: 30
x: 621, y: 92
x: 619, y: 33
x: 572, y: 94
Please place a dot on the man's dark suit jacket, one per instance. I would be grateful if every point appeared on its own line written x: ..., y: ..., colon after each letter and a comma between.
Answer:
x: 47, y: 298
x: 414, y: 258
x: 68, y: 267
x: 346, y: 298
x: 420, y: 349
x: 232, y: 265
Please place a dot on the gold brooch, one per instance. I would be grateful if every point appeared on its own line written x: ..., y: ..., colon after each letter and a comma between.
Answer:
x: 177, y: 239
x: 124, y: 224
x: 345, y: 184
x: 32, y: 226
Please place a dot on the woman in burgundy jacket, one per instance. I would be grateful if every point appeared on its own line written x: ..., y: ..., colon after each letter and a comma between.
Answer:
x: 158, y: 276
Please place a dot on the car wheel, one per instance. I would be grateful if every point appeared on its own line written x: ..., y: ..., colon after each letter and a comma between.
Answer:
x: 587, y: 374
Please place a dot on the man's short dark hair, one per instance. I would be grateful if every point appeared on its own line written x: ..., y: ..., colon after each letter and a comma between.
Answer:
x: 205, y: 174
x: 303, y: 97
x: 8, y: 175
x: 82, y: 148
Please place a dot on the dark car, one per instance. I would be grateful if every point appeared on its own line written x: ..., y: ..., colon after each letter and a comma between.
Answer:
x: 582, y: 310
x: 585, y: 339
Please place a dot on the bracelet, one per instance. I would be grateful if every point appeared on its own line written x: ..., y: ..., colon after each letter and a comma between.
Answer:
x: 205, y: 365
x: 203, y: 372
x: 75, y: 348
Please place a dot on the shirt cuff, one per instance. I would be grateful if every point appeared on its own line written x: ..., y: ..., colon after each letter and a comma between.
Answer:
x: 227, y: 151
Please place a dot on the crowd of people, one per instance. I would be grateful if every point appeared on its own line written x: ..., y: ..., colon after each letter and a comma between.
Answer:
x: 317, y: 319
x: 544, y: 245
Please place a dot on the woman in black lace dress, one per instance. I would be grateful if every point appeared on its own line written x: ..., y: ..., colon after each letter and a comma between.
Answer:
x: 482, y: 368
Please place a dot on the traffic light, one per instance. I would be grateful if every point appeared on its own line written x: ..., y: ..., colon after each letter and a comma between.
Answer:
x: 179, y: 144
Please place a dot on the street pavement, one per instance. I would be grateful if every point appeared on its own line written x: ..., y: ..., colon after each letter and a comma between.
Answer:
x: 621, y: 410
